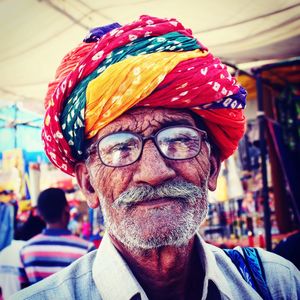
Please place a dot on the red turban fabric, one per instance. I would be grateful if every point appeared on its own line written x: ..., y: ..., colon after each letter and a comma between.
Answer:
x: 150, y: 62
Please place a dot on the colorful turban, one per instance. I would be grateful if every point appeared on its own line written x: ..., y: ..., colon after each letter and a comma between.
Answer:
x: 150, y: 62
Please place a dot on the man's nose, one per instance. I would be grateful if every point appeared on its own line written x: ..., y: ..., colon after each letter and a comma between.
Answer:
x: 152, y: 168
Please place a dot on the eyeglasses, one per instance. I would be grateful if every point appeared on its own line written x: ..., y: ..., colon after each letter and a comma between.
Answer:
x: 175, y: 142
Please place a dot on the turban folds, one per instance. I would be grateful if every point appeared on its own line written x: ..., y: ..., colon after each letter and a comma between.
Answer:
x: 150, y: 62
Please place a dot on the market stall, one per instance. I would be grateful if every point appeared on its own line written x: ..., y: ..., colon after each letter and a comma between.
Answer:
x: 278, y: 94
x: 267, y: 164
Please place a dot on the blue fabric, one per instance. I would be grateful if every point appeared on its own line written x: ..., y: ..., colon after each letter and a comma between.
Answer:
x: 239, y: 262
x: 255, y: 266
x: 56, y: 231
x: 6, y: 224
x: 251, y: 269
x: 96, y: 33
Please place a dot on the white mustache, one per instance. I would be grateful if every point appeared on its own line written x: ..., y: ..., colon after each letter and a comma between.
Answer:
x: 180, y: 190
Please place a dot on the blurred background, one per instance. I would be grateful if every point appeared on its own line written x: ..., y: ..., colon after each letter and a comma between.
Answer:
x: 257, y: 201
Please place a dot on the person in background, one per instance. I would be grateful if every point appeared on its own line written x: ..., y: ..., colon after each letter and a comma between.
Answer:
x: 10, y: 262
x: 31, y: 227
x: 7, y: 217
x: 86, y: 228
x: 289, y: 248
x: 142, y: 115
x: 74, y: 224
x: 56, y: 247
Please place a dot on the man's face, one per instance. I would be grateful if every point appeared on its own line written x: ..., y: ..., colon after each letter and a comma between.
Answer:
x: 154, y: 201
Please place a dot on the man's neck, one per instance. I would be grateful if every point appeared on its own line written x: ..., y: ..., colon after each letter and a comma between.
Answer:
x: 166, y: 272
x: 57, y: 225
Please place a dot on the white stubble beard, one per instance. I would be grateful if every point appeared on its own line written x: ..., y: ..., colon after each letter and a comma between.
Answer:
x: 179, y: 230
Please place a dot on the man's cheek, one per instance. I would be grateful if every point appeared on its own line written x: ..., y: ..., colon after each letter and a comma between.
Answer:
x: 202, y: 166
x: 121, y: 180
x: 100, y: 181
x: 103, y: 177
x: 188, y: 171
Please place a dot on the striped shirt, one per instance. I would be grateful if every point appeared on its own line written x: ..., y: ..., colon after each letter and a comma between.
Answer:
x: 49, y: 252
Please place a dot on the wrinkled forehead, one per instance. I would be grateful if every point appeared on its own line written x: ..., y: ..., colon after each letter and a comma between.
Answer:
x: 146, y: 120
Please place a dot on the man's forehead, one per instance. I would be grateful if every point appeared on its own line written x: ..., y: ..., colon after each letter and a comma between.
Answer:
x: 146, y: 120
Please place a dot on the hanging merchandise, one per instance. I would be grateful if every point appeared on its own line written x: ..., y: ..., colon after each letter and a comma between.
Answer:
x: 249, y: 152
x: 220, y: 194
x: 10, y: 180
x: 13, y: 158
x: 13, y: 169
x: 34, y: 182
x: 278, y: 121
x: 234, y: 184
x: 285, y: 169
x: 6, y: 224
x: 264, y: 205
x: 288, y: 115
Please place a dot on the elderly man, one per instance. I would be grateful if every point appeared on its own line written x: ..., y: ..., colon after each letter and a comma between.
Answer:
x: 142, y: 115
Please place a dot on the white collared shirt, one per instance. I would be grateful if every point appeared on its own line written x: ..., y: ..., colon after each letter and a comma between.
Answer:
x: 103, y: 274
x: 115, y: 280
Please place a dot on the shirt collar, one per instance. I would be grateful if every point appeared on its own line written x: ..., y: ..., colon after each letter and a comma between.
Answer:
x: 115, y: 280
x: 56, y: 231
x: 112, y: 275
x: 212, y: 270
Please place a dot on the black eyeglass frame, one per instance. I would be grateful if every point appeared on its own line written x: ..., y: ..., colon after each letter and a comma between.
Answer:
x: 201, y: 133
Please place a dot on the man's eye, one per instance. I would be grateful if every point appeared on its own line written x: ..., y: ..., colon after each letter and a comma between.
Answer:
x: 121, y: 147
x: 180, y: 139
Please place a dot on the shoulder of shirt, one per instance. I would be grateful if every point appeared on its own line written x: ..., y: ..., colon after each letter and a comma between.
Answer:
x: 267, y: 258
x: 274, y: 265
x: 270, y: 258
x: 282, y: 277
x: 77, y: 239
x: 32, y: 240
x: 58, y: 281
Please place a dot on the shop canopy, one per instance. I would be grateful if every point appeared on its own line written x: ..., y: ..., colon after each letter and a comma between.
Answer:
x: 35, y: 34
x: 278, y: 76
x: 20, y: 128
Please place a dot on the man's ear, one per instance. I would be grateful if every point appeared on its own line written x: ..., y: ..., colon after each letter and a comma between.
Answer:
x: 84, y: 181
x: 215, y: 164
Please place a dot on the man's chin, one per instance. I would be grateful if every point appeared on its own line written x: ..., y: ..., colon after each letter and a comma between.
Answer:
x: 153, y: 242
x: 143, y: 236
x: 173, y: 224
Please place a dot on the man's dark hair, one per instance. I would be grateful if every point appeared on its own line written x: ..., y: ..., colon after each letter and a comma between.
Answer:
x: 51, y: 204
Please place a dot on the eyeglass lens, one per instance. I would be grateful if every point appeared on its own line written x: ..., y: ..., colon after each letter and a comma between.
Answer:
x: 178, y: 142
x: 124, y: 148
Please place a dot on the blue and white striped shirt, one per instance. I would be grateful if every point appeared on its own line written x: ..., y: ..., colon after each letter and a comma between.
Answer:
x: 50, y: 252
